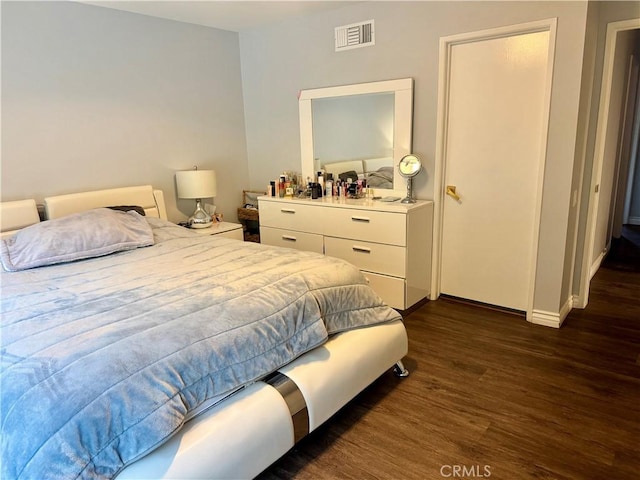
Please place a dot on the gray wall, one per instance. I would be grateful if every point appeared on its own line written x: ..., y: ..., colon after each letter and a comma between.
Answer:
x: 97, y: 98
x: 279, y: 60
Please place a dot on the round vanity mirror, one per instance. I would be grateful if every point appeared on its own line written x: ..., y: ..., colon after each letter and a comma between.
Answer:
x: 409, y: 167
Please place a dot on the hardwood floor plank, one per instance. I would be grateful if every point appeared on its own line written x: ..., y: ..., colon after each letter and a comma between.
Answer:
x: 489, y: 390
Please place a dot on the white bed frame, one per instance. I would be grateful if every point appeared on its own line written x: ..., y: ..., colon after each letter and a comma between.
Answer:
x: 242, y: 435
x: 17, y: 215
x: 142, y: 196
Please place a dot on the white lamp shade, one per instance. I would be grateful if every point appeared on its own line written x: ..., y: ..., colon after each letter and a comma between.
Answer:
x: 196, y: 183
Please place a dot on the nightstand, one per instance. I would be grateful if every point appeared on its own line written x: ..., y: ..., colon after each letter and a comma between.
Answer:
x: 224, y: 229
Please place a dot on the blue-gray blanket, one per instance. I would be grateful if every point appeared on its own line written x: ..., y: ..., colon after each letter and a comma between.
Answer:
x: 102, y: 359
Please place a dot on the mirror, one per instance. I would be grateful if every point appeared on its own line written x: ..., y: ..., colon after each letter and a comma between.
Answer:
x: 363, y: 128
x: 409, y: 167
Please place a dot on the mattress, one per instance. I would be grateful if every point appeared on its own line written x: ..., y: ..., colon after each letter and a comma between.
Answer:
x: 105, y: 358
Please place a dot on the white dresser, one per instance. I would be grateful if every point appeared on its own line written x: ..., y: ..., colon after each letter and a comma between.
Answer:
x: 389, y: 242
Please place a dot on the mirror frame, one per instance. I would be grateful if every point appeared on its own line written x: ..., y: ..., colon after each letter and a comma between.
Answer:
x: 402, y: 121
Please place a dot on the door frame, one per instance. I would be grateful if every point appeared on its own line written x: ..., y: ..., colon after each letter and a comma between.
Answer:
x: 446, y: 45
x: 625, y: 158
x: 633, y: 161
x: 589, y: 268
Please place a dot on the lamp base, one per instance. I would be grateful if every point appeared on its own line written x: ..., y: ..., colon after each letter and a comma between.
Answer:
x: 200, y: 218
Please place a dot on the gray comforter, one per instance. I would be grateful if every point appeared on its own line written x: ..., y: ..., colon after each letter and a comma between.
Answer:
x: 102, y: 359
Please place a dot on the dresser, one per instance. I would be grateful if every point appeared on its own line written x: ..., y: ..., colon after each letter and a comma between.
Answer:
x: 389, y: 242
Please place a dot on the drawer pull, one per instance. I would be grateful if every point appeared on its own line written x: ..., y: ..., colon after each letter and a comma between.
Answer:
x: 289, y: 238
x: 287, y: 210
x: 360, y: 219
x: 356, y: 248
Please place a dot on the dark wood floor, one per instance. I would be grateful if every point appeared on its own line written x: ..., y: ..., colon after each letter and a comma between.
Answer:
x: 492, y: 394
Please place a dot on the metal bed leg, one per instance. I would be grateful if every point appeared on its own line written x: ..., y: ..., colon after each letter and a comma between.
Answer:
x: 399, y: 370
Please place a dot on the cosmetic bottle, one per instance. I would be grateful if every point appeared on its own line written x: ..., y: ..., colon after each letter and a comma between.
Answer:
x: 328, y: 185
x: 320, y: 183
x: 329, y: 188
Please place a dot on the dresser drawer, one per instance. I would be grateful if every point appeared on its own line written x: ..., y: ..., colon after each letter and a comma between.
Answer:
x: 381, y: 227
x: 291, y: 216
x: 291, y: 239
x: 374, y: 257
x: 390, y: 289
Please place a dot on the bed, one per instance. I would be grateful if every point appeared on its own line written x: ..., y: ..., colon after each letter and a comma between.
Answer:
x: 155, y: 361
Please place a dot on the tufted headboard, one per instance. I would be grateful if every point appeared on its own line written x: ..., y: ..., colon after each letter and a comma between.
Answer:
x: 143, y: 196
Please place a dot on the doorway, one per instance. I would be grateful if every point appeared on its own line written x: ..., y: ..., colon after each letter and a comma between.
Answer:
x: 624, y: 249
x: 607, y: 175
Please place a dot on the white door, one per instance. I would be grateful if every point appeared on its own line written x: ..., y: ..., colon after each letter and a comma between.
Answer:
x: 495, y: 135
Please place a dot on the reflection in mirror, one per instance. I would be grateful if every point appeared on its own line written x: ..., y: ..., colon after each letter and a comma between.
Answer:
x: 360, y: 130
x: 353, y: 135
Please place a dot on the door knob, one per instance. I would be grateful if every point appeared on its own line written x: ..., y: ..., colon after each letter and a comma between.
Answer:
x: 451, y: 191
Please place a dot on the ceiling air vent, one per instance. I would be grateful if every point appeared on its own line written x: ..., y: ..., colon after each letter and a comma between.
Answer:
x: 355, y: 35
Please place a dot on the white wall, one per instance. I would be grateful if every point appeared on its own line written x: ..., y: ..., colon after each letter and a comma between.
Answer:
x: 97, y: 98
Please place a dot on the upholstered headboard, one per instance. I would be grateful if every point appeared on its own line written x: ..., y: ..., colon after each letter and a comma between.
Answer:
x: 374, y: 164
x: 361, y: 167
x: 152, y: 201
x: 17, y: 215
x: 336, y: 168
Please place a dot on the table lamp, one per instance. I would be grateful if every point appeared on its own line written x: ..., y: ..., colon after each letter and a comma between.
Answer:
x: 197, y: 184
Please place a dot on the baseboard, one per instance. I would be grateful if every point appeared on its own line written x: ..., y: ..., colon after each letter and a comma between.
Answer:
x: 634, y: 220
x: 566, y: 308
x: 552, y: 319
x: 578, y: 302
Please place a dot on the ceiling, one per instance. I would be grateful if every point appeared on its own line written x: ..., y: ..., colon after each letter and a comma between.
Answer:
x: 234, y: 15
